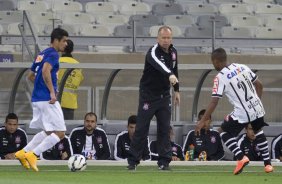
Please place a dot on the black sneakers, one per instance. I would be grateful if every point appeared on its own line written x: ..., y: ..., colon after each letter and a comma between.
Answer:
x: 164, y: 168
x: 131, y: 167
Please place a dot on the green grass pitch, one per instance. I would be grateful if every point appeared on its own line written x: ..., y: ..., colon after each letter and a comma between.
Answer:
x: 143, y: 175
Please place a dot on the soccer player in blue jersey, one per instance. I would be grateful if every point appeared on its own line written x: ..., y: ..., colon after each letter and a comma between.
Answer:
x: 47, y: 112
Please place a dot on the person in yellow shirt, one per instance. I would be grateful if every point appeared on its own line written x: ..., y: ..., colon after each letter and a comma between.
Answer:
x: 69, y: 96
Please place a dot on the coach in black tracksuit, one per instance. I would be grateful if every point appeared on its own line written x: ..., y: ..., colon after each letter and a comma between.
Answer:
x: 159, y: 73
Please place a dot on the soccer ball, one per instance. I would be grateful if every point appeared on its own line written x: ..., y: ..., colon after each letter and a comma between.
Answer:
x: 77, y: 162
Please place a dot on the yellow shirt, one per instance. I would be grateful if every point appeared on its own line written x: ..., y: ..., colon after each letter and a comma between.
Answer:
x: 69, y: 96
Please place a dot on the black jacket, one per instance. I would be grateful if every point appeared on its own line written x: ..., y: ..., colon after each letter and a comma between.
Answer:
x: 159, y: 65
x: 249, y: 148
x: 55, y: 153
x: 276, y: 147
x: 99, y: 141
x: 209, y: 142
x: 11, y: 143
x: 175, y: 148
x: 122, y: 145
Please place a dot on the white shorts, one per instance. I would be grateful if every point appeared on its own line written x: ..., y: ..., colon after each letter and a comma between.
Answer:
x: 48, y: 117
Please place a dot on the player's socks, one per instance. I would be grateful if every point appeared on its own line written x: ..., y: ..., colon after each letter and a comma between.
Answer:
x: 263, y: 147
x: 36, y: 140
x: 46, y: 144
x: 32, y: 160
x: 231, y: 143
x: 20, y: 156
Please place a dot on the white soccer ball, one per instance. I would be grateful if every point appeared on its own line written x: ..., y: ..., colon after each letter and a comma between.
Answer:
x: 77, y: 162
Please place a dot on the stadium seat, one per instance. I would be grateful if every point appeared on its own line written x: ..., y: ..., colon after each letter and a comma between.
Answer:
x: 77, y: 18
x: 235, y: 9
x: 33, y: 5
x: 206, y: 21
x: 111, y: 19
x: 110, y: 49
x: 262, y: 8
x: 179, y: 20
x: 7, y: 5
x: 94, y: 30
x: 201, y: 9
x: 133, y: 8
x: 7, y: 17
x: 176, y: 31
x: 73, y: 30
x: 13, y: 29
x: 223, y: 1
x: 237, y: 32
x: 167, y: 9
x: 126, y: 30
x: 146, y: 20
x: 42, y: 17
x: 246, y: 20
x: 64, y: 5
x: 273, y: 21
x: 271, y: 33
x: 101, y: 8
x: 200, y: 32
x: 257, y: 1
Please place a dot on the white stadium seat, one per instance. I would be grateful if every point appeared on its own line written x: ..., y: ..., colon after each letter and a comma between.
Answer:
x: 42, y: 17
x: 101, y: 8
x: 73, y: 30
x: 179, y: 20
x: 202, y: 9
x: 133, y: 8
x: 7, y: 17
x: 237, y: 32
x: 64, y: 5
x: 267, y: 32
x: 95, y: 30
x: 33, y: 5
x: 273, y: 20
x: 235, y: 9
x: 77, y: 18
x: 111, y: 19
x: 262, y: 8
x: 257, y: 1
x: 246, y: 21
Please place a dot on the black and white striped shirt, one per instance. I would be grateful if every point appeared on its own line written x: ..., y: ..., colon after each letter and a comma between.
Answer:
x: 236, y: 81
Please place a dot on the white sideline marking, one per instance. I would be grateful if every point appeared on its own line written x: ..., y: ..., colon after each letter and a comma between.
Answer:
x: 142, y: 163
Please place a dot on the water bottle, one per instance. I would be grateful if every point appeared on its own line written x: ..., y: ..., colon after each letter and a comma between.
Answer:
x: 187, y: 156
x: 191, y: 152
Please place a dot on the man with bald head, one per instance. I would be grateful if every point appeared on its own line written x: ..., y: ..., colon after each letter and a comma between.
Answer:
x: 159, y: 74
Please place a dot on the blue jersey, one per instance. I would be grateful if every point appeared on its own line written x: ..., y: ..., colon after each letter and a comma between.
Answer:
x: 40, y: 91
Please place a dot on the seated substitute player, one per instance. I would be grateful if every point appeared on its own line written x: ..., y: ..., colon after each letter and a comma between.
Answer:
x: 276, y: 148
x: 12, y: 138
x: 244, y: 91
x: 123, y: 140
x: 176, y: 149
x: 61, y: 151
x: 89, y: 140
x: 208, y: 141
x: 248, y: 144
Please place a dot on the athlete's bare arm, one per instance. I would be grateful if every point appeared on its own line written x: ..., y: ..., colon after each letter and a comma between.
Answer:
x: 259, y: 87
x: 46, y: 74
x: 31, y: 76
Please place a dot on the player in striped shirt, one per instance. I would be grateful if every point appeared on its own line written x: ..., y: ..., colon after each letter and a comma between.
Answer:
x: 244, y: 91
